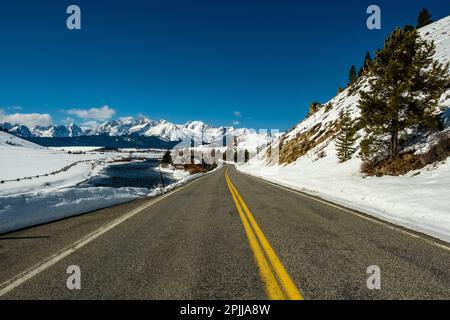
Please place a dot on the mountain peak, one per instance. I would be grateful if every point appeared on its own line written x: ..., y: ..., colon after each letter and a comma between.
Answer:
x: 139, y: 126
x: 195, y: 125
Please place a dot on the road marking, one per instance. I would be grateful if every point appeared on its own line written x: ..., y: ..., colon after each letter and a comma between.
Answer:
x: 251, y: 227
x: 273, y: 289
x: 363, y: 216
x: 28, y: 274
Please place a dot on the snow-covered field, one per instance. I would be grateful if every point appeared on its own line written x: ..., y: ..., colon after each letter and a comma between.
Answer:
x: 419, y: 200
x: 25, y: 163
x: 27, y: 200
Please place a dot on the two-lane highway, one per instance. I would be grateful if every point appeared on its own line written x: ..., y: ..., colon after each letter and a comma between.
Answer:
x: 224, y: 236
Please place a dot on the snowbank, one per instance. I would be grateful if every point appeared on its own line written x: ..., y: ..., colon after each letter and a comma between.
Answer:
x: 28, y: 209
x: 419, y: 201
x: 75, y: 175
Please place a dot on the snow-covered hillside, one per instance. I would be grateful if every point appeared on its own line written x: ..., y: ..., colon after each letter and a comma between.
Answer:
x: 439, y: 32
x: 39, y: 185
x: 7, y: 141
x: 320, y: 127
x: 22, y: 161
x: 308, y: 162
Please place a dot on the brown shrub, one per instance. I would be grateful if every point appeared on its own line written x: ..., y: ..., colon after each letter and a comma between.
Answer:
x: 194, y: 168
x: 291, y: 150
x: 407, y: 162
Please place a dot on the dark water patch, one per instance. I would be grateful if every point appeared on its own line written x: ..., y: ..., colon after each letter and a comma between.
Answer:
x: 144, y: 174
x: 130, y: 141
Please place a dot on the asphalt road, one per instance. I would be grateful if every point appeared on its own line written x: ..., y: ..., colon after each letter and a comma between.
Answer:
x: 219, y: 239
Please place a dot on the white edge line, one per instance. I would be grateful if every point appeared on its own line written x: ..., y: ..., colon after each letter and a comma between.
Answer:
x: 386, y: 224
x: 26, y: 275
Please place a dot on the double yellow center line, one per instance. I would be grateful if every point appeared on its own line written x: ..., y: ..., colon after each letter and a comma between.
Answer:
x: 279, y: 285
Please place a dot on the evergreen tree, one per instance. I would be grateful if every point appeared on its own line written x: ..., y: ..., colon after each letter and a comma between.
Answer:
x: 404, y: 93
x: 247, y: 156
x: 167, y: 158
x: 367, y: 62
x: 346, y: 139
x: 352, y: 76
x: 192, y: 155
x: 408, y: 27
x: 366, y: 66
x: 424, y: 18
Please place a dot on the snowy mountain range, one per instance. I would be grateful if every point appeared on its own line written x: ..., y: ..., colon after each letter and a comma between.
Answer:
x: 59, y: 131
x: 144, y: 127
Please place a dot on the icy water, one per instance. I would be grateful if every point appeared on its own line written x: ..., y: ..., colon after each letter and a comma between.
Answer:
x: 143, y: 174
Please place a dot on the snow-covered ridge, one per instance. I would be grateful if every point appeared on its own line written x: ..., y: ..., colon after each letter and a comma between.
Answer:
x: 418, y: 200
x: 7, y: 141
x: 319, y: 126
x: 198, y: 131
x: 141, y: 126
x: 439, y: 32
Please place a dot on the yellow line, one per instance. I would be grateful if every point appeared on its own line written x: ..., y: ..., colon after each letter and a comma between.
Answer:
x: 273, y: 290
x: 285, y: 280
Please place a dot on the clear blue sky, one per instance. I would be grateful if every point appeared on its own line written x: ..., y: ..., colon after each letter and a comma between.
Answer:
x: 187, y: 60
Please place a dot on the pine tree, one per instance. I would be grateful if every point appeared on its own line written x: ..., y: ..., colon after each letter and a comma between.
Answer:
x: 247, y: 156
x: 424, y: 18
x: 367, y: 62
x: 408, y: 27
x: 366, y: 66
x: 167, y: 157
x: 346, y: 139
x: 352, y: 76
x: 404, y: 93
